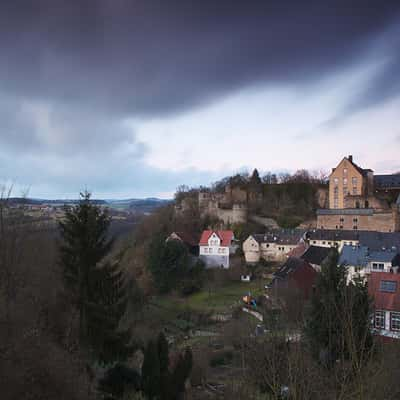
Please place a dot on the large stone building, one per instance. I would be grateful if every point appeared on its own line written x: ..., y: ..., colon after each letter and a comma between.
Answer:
x: 360, y: 200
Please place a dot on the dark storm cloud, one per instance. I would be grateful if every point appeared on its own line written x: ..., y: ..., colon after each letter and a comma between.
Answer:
x: 72, y: 71
x: 146, y: 57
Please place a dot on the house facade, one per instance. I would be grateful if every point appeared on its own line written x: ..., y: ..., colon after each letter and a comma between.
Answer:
x: 358, y: 200
x: 332, y: 238
x: 384, y: 288
x: 272, y: 246
x: 216, y: 247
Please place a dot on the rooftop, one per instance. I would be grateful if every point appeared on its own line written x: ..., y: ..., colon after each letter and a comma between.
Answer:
x: 384, y: 300
x: 291, y: 265
x: 280, y: 236
x: 345, y: 211
x: 361, y: 255
x: 332, y: 234
x: 225, y: 236
x: 387, y: 181
x: 316, y: 255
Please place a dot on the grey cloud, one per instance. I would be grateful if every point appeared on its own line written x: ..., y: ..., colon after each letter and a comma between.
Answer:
x: 71, y: 71
x: 152, y: 57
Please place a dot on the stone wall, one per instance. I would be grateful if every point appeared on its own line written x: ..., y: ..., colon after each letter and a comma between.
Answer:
x: 381, y: 221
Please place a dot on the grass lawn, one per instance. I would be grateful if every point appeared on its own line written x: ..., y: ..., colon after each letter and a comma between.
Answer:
x: 217, y: 299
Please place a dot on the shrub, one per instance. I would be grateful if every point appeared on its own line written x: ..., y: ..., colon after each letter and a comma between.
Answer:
x: 221, y: 358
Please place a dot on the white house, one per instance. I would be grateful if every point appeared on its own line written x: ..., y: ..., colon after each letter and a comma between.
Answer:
x: 215, y: 248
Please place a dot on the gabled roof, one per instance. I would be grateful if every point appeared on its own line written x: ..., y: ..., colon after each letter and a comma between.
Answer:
x: 362, y: 171
x: 316, y: 255
x: 291, y: 265
x: 384, y: 300
x: 226, y: 237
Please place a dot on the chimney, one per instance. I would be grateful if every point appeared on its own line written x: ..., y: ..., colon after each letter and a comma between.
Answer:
x: 350, y: 157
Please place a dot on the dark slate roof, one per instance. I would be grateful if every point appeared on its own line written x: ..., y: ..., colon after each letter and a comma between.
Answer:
x: 345, y: 211
x: 280, y: 236
x: 379, y: 240
x: 361, y: 255
x: 387, y: 181
x: 291, y: 265
x: 315, y: 254
x: 354, y: 256
x: 332, y: 234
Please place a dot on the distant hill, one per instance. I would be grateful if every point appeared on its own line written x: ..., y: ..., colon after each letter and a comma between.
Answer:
x: 138, y: 205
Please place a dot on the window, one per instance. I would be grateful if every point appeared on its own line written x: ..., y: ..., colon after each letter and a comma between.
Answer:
x: 388, y: 286
x: 344, y: 171
x: 366, y: 203
x: 344, y: 181
x: 354, y: 181
x: 355, y: 227
x: 341, y: 227
x: 357, y: 204
x: 205, y: 249
x: 323, y: 242
x: 210, y: 250
x: 379, y: 321
x: 354, y: 190
x: 335, y: 181
x: 381, y: 266
x: 355, y: 219
x: 314, y: 241
x: 341, y: 219
x: 395, y: 321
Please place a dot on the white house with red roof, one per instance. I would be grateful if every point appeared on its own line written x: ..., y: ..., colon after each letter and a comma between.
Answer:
x: 215, y: 247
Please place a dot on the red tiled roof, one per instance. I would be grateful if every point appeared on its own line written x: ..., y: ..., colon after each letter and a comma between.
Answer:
x: 225, y: 236
x: 384, y: 300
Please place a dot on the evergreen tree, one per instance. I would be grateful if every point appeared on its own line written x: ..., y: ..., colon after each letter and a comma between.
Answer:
x: 107, y: 305
x: 324, y: 326
x: 339, y: 325
x: 168, y: 262
x: 356, y: 323
x: 255, y: 178
x: 118, y: 381
x: 97, y: 288
x: 151, y: 376
x: 163, y: 353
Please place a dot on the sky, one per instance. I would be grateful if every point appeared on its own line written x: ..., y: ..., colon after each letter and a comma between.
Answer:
x: 132, y: 98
